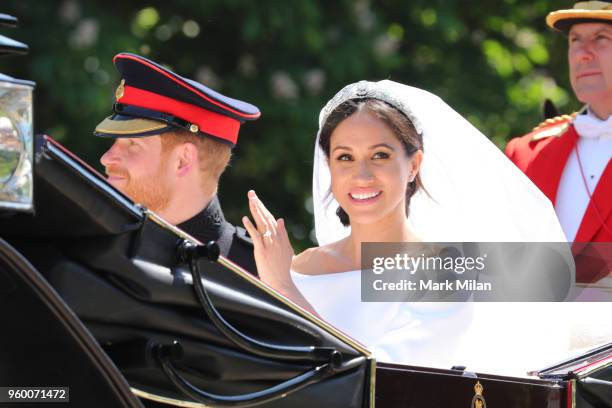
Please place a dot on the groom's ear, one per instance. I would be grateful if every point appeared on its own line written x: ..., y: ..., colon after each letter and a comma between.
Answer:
x: 185, y: 158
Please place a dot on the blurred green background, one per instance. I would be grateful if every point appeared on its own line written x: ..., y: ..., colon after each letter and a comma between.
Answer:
x: 494, y: 61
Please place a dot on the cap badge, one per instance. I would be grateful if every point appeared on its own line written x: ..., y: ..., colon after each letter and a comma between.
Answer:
x: 120, y: 90
x: 194, y: 128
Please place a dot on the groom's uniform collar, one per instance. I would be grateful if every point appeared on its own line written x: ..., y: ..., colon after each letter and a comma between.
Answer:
x: 234, y: 243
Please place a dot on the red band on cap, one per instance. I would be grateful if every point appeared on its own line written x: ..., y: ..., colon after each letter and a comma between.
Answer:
x: 209, y: 122
x: 185, y: 85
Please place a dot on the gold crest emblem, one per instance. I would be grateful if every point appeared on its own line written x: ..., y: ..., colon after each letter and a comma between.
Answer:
x: 120, y: 90
x: 478, y: 400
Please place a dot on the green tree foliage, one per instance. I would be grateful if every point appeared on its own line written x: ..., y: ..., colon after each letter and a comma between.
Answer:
x: 494, y: 62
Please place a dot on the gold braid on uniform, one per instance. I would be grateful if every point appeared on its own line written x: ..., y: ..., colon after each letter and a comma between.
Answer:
x: 555, y: 120
x: 553, y: 127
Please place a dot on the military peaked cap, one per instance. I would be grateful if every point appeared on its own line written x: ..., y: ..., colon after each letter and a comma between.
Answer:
x: 151, y: 100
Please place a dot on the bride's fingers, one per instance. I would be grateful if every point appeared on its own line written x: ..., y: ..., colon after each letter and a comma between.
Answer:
x: 260, y: 220
x: 262, y: 210
x: 282, y: 231
x: 265, y: 212
x: 262, y: 216
x: 252, y: 230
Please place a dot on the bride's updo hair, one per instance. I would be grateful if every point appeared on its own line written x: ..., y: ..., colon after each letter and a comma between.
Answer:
x: 397, y: 121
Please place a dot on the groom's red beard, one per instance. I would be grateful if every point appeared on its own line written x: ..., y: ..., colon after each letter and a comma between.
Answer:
x: 151, y: 190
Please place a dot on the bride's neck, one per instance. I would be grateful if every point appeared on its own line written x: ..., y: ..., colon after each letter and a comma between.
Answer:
x: 390, y: 230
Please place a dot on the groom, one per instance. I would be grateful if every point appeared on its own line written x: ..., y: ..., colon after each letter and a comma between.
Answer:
x: 172, y: 140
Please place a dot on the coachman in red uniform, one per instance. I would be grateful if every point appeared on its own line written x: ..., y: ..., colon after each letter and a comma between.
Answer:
x: 569, y: 157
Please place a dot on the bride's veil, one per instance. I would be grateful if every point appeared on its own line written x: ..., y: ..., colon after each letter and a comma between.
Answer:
x: 476, y: 193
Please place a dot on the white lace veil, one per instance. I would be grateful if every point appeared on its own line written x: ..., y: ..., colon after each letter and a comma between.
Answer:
x: 478, y: 194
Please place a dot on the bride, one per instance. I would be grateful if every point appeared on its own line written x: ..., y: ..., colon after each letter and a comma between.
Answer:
x: 394, y: 163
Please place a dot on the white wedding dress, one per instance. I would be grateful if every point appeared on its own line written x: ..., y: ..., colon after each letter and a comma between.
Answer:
x: 484, y: 337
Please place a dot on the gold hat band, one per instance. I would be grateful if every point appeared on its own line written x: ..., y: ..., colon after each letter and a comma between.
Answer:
x: 128, y: 127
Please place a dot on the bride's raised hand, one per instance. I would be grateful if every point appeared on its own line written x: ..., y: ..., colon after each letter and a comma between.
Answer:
x: 273, y: 251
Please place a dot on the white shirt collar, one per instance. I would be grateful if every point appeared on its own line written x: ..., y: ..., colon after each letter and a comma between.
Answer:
x: 590, y: 126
